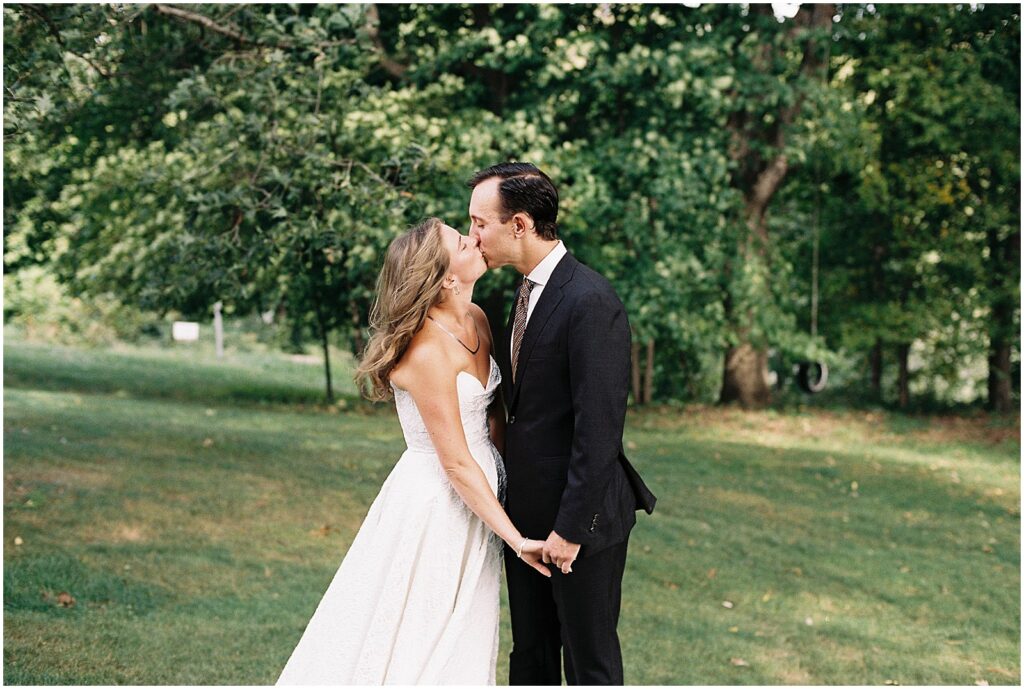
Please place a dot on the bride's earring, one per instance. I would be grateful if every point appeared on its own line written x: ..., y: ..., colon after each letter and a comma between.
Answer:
x: 457, y: 290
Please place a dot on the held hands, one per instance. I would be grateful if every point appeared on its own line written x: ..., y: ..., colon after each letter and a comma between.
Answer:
x: 561, y: 552
x: 531, y: 554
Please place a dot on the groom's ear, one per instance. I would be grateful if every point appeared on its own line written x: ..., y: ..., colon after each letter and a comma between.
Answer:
x: 521, y: 222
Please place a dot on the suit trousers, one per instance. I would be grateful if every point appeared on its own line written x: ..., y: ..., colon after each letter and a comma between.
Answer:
x: 574, y: 613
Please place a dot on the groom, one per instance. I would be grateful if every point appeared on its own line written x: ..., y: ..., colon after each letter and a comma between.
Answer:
x: 565, y: 362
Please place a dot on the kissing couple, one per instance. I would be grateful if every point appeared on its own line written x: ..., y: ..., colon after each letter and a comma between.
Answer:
x: 534, y: 475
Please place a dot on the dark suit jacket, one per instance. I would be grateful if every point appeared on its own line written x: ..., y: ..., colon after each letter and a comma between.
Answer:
x: 563, y: 443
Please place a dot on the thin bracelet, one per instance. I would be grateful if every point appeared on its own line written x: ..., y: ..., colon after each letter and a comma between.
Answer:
x: 519, y: 550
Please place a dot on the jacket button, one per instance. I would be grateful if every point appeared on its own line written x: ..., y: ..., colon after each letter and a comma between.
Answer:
x: 512, y: 419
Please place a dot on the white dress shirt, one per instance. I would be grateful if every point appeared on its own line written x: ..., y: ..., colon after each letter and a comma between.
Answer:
x: 540, y: 276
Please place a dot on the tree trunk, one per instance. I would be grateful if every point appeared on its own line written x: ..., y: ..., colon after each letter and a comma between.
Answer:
x: 649, y: 373
x: 327, y: 365
x: 876, y: 369
x: 634, y: 358
x: 324, y: 332
x: 743, y: 379
x: 372, y: 28
x: 1005, y: 255
x: 999, y: 390
x: 903, y: 355
x: 358, y: 344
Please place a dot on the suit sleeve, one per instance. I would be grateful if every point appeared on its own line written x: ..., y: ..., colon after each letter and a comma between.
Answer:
x: 599, y: 346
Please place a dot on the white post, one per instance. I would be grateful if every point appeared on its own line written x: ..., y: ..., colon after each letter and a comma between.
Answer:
x: 218, y: 329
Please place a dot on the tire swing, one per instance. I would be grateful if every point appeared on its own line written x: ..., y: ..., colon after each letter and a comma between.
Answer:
x: 812, y: 376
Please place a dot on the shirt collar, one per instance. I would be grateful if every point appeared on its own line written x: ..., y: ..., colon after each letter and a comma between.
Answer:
x: 542, y: 272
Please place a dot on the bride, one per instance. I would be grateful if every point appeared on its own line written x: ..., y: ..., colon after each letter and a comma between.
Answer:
x: 415, y: 600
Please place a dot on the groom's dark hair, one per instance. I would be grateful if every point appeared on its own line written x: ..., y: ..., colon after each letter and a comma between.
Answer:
x: 524, y: 189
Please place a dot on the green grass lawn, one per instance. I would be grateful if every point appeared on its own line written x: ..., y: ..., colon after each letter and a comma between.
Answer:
x: 195, y: 530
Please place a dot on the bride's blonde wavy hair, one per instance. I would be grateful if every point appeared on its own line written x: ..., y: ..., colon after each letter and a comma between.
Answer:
x: 410, y: 283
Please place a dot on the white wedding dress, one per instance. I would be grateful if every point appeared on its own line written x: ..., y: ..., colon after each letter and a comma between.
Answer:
x: 415, y: 600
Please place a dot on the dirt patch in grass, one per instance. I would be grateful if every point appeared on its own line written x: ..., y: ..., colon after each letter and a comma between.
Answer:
x: 874, y: 425
x: 130, y: 533
x: 981, y: 429
x: 785, y: 666
x: 748, y: 502
x: 743, y: 499
x: 59, y: 479
x: 107, y: 533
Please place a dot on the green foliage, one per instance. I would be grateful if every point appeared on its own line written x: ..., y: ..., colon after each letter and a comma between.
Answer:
x: 911, y: 216
x: 39, y: 308
x: 267, y: 163
x: 81, y: 82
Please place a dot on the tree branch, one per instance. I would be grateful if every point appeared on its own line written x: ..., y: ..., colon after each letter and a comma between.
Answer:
x: 815, y: 57
x: 54, y: 30
x: 768, y: 175
x: 391, y: 66
x: 205, y: 22
x: 236, y: 35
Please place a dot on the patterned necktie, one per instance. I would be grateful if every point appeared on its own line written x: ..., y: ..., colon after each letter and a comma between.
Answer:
x: 519, y: 324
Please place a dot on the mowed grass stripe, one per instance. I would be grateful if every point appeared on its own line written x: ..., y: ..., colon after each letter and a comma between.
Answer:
x: 184, y: 373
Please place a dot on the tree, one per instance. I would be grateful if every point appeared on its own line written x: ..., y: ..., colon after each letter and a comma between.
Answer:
x: 769, y: 96
x: 937, y: 228
x: 81, y: 81
x: 174, y: 156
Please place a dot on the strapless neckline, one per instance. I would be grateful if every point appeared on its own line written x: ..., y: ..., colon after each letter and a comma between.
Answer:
x: 490, y: 372
x: 492, y: 365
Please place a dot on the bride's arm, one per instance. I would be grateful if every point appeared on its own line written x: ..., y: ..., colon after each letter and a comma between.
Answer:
x: 431, y: 380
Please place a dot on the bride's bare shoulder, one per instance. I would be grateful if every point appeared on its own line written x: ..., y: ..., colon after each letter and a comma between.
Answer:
x: 425, y: 358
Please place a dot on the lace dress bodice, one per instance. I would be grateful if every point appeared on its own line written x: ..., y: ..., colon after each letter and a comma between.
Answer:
x: 474, y: 400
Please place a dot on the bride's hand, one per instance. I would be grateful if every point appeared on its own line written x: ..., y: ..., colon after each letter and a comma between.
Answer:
x: 531, y: 555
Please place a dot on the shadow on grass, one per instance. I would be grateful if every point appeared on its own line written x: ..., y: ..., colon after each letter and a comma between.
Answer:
x: 35, y: 582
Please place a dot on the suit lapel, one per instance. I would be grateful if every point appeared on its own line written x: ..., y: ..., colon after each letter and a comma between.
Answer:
x: 546, y: 305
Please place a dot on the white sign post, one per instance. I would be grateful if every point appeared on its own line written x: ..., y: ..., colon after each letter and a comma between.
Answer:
x: 218, y: 328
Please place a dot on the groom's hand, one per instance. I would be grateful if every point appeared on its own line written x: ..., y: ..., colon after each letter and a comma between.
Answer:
x: 561, y: 552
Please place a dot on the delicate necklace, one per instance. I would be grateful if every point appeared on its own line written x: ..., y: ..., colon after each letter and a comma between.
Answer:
x: 471, y: 351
